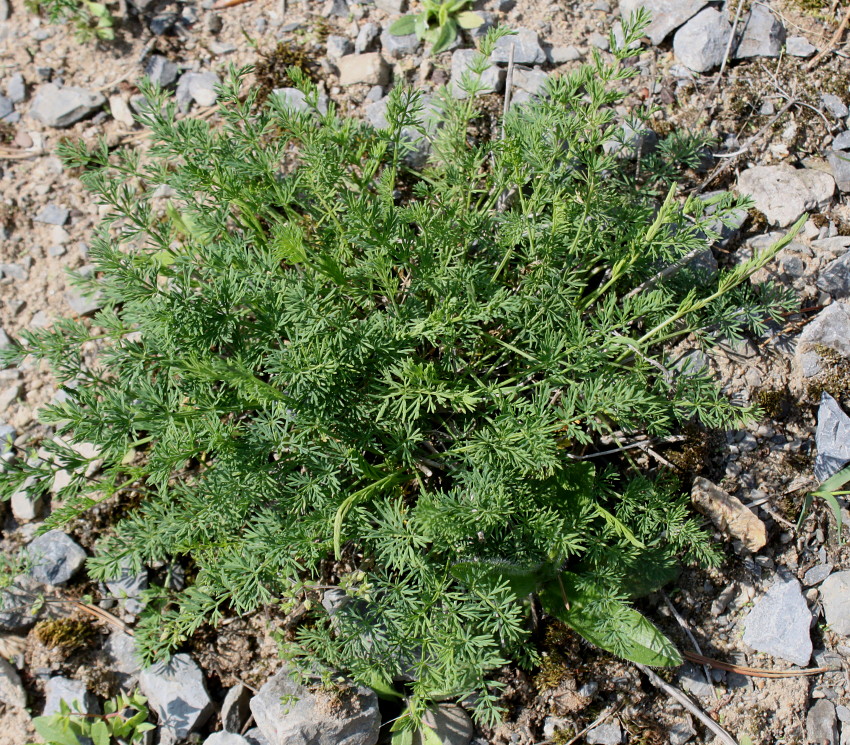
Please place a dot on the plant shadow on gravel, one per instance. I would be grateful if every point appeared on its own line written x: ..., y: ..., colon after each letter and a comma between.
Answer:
x: 439, y: 388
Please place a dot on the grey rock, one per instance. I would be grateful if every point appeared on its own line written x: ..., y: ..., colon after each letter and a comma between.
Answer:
x: 338, y: 46
x: 783, y: 193
x: 843, y: 713
x: 305, y: 718
x: 631, y: 138
x: 527, y: 49
x: 834, y: 278
x: 680, y: 733
x: 835, y: 596
x: 831, y: 329
x: 492, y: 79
x: 842, y: 141
x: 295, y: 99
x: 834, y: 105
x: 399, y: 46
x: 335, y: 9
x: 667, y: 15
x: 609, y: 733
x: 15, y: 271
x: 700, y: 44
x: 61, y: 107
x: 121, y: 650
x: 392, y: 7
x: 5, y: 10
x: 451, y: 724
x: 221, y: 48
x: 17, y: 611
x: 11, y: 690
x: 27, y: 502
x: 479, y: 32
x: 5, y: 341
x: 799, y: 46
x: 177, y: 693
x: 7, y: 435
x: 839, y: 163
x: 161, y: 71
x: 821, y: 723
x: 600, y: 41
x: 560, y: 55
x: 162, y: 23
x: 202, y: 87
x: 235, y: 708
x: 763, y: 35
x: 54, y: 558
x: 53, y: 214
x: 691, y: 363
x: 56, y: 251
x: 226, y: 738
x: 530, y: 80
x: 128, y: 588
x: 817, y: 574
x: 371, y: 69
x: 255, y: 737
x: 692, y: 679
x: 376, y: 93
x: 81, y: 303
x: 7, y: 107
x: 779, y: 624
x: 58, y: 689
x: 832, y: 438
x: 366, y: 37
x: 16, y: 88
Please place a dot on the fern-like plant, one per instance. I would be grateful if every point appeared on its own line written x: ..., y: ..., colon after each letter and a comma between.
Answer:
x: 320, y: 367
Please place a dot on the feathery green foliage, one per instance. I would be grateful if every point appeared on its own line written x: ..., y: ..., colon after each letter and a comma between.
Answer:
x: 318, y: 352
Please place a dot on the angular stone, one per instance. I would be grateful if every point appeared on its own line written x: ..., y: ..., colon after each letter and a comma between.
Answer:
x: 11, y: 689
x: 834, y: 105
x: 392, y: 7
x: 376, y: 115
x: 763, y: 35
x: 295, y: 99
x: 560, y: 55
x: 161, y: 71
x: 16, y: 88
x: 128, y: 588
x: 729, y: 514
x: 779, y: 624
x: 451, y: 724
x: 26, y: 502
x: 226, y: 738
x: 835, y: 597
x: 608, y: 733
x: 492, y: 79
x: 799, y: 46
x: 288, y: 713
x: 62, y: 107
x: 17, y: 609
x: 817, y: 574
x: 82, y: 304
x: 527, y: 49
x: 839, y: 163
x: 53, y: 214
x: 692, y: 679
x: 235, y: 709
x: 533, y: 81
x: 842, y: 141
x: 255, y: 737
x: 338, y: 46
x: 399, y: 46
x: 54, y: 558
x: 700, y: 44
x: 370, y: 69
x: 5, y: 341
x: 366, y: 37
x: 667, y: 15
x: 177, y: 693
x: 821, y: 723
x: 15, y: 271
x: 58, y: 689
x: 783, y: 193
x: 834, y: 278
x: 831, y: 329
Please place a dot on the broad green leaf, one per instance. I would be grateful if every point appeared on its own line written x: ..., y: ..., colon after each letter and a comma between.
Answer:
x: 405, y: 737
x: 447, y: 34
x: 420, y: 26
x: 469, y: 19
x: 618, y: 525
x: 828, y: 491
x: 99, y: 733
x: 522, y: 580
x: 404, y: 26
x: 382, y: 686
x: 649, y: 571
x: 623, y: 632
x: 54, y: 730
x: 429, y: 736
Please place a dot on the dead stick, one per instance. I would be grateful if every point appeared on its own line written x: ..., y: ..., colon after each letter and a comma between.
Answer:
x: 752, y: 671
x: 836, y: 37
x: 685, y: 701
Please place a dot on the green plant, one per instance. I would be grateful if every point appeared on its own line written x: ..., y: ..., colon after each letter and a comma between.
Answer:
x: 91, y: 20
x: 321, y: 367
x: 438, y: 22
x: 123, y: 722
x: 829, y: 491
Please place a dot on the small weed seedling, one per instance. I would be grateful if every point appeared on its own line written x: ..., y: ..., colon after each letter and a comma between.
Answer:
x: 124, y: 722
x: 438, y: 22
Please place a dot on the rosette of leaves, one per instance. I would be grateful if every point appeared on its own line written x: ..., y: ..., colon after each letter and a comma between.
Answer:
x: 438, y: 22
x: 317, y: 366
